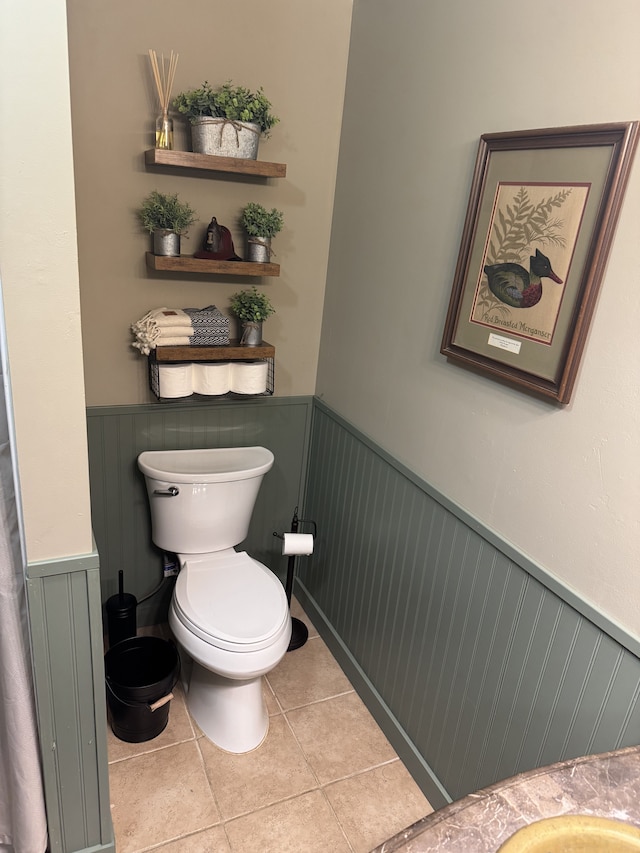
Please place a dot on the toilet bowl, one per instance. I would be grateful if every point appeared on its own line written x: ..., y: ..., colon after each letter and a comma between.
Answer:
x: 229, y: 613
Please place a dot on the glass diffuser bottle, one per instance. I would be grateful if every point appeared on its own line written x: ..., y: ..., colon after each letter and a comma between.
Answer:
x: 164, y: 132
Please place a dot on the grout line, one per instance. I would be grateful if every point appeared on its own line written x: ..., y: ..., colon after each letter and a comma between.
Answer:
x: 304, y: 754
x: 273, y: 693
x: 150, y: 751
x: 337, y: 820
x: 318, y: 701
x: 203, y: 764
x: 361, y: 772
x: 279, y: 802
x: 176, y: 838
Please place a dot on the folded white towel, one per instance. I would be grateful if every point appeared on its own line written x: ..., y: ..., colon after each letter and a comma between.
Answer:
x: 172, y: 324
x: 168, y: 317
x: 182, y: 341
x: 174, y: 332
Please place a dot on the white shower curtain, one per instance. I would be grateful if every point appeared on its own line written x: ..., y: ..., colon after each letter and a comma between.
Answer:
x: 23, y: 827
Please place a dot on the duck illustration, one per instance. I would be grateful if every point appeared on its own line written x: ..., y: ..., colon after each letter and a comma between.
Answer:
x: 512, y: 284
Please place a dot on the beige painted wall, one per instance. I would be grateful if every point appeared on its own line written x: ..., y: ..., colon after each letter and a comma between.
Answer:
x: 297, y: 52
x: 39, y: 271
x: 563, y: 484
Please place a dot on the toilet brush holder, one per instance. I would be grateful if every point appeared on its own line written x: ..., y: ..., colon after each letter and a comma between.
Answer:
x: 121, y: 614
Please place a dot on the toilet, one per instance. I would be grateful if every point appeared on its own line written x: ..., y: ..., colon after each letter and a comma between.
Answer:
x: 229, y: 613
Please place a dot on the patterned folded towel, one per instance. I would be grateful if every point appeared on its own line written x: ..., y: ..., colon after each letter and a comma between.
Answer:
x: 210, y: 317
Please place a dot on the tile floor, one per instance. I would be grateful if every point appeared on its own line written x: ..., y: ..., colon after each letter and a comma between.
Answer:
x: 324, y: 779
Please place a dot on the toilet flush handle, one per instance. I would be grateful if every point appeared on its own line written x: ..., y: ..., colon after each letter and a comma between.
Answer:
x: 171, y: 492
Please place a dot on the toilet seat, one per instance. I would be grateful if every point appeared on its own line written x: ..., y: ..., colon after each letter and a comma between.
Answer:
x: 230, y: 600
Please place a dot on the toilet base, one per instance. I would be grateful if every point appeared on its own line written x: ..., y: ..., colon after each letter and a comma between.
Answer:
x: 232, y: 714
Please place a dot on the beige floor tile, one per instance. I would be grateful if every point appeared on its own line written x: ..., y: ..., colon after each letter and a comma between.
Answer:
x: 305, y: 824
x: 299, y: 613
x: 273, y: 772
x: 210, y: 841
x: 375, y: 805
x: 178, y: 729
x: 339, y: 737
x: 306, y: 675
x: 149, y: 793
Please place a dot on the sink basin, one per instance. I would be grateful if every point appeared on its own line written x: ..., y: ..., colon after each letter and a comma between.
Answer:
x: 574, y: 834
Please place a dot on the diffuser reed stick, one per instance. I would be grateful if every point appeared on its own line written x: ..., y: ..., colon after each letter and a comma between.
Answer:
x: 163, y: 75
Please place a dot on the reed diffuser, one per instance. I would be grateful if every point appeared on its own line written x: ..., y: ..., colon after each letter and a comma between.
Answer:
x: 163, y: 75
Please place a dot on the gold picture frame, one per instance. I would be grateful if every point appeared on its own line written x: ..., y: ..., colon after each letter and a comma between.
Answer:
x: 540, y: 222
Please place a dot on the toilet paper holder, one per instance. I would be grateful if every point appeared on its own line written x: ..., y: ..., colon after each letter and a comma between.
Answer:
x: 299, y: 631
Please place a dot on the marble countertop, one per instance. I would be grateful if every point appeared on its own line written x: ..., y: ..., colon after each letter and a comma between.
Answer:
x: 605, y: 785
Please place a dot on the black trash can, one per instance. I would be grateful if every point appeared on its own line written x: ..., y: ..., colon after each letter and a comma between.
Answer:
x: 140, y: 674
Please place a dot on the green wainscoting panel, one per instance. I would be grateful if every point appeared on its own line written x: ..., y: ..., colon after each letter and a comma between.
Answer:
x: 119, y: 507
x: 477, y: 664
x: 65, y: 617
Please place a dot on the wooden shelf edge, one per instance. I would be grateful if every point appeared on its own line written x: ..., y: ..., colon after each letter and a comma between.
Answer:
x: 189, y: 264
x: 231, y: 352
x: 211, y: 163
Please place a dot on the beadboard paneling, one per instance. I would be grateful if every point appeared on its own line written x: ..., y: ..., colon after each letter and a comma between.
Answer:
x: 67, y: 648
x: 484, y: 669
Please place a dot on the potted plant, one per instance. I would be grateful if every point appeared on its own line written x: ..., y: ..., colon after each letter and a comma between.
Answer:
x: 227, y: 121
x: 261, y: 225
x: 167, y: 218
x: 251, y: 308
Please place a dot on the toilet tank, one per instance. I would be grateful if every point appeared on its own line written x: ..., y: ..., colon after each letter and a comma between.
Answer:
x: 202, y: 500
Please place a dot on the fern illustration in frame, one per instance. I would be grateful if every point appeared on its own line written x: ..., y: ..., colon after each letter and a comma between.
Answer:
x: 540, y: 222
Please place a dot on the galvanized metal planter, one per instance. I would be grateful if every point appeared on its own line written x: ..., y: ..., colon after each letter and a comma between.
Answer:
x: 251, y: 334
x: 225, y: 138
x: 166, y: 242
x: 259, y: 249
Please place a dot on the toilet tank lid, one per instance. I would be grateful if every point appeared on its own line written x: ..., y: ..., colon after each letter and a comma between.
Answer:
x: 206, y: 465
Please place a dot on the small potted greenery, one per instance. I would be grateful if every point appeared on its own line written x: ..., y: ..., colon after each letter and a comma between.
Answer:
x: 227, y: 121
x: 261, y: 225
x: 167, y: 218
x: 251, y: 308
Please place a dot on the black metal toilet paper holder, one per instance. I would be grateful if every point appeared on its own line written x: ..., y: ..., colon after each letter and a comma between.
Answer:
x: 299, y: 631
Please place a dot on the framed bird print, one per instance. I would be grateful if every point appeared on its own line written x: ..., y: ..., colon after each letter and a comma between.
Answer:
x: 539, y: 226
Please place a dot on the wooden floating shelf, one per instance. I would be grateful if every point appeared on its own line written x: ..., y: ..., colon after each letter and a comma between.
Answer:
x: 189, y: 264
x: 211, y: 163
x: 230, y: 352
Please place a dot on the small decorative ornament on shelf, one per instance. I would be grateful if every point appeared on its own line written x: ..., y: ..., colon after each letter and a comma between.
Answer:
x: 163, y: 75
x: 217, y: 244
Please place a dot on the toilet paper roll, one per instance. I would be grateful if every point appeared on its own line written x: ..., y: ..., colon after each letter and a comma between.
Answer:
x: 248, y: 377
x: 211, y: 378
x: 297, y: 543
x: 174, y: 380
